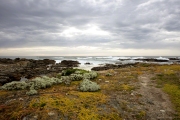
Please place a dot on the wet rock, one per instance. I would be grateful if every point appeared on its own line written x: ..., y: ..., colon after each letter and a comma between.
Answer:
x: 69, y: 63
x: 88, y: 63
x: 147, y: 60
x: 100, y: 68
x: 14, y: 70
x: 113, y: 66
x: 6, y: 61
x: 152, y: 60
x: 176, y: 58
x: 161, y: 60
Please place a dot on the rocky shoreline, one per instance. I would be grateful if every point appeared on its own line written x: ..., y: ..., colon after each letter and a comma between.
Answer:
x: 136, y: 91
x: 160, y: 59
x: 17, y: 69
x: 22, y: 68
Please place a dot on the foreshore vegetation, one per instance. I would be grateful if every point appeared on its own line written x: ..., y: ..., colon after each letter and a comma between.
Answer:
x: 112, y: 94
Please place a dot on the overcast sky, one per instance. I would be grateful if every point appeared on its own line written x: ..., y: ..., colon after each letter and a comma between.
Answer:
x: 90, y: 27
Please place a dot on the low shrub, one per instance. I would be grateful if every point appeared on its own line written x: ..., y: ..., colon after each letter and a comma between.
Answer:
x: 44, y: 82
x: 15, y: 85
x: 90, y: 75
x: 68, y: 72
x: 32, y: 92
x: 66, y: 80
x: 88, y: 86
x: 76, y: 77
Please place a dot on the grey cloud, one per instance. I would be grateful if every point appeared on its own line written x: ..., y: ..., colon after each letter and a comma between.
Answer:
x: 130, y: 23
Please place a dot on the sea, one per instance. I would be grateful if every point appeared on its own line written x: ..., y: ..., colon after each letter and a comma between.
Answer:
x: 95, y: 61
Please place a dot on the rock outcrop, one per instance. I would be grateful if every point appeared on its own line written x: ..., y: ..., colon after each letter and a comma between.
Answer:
x: 13, y: 70
x: 113, y: 66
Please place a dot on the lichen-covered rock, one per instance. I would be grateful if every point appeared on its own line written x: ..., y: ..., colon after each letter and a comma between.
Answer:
x: 88, y: 86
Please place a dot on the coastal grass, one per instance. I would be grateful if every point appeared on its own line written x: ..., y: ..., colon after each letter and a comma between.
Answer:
x: 66, y: 102
x: 168, y: 78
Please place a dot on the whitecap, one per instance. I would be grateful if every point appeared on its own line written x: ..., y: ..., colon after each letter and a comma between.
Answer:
x: 161, y: 58
x: 124, y: 58
x: 138, y: 58
x: 104, y: 57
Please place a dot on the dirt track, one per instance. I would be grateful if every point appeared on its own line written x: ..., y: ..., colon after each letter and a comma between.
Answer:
x: 156, y: 102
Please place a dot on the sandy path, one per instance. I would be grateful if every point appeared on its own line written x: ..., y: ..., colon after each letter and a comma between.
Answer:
x: 157, y: 103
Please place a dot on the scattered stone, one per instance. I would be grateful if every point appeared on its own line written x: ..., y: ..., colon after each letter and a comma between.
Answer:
x: 162, y: 111
x: 51, y: 113
x: 21, y: 99
x: 150, y: 102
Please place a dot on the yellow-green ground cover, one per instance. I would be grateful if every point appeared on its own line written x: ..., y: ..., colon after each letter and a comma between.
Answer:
x: 112, y: 102
x: 168, y: 78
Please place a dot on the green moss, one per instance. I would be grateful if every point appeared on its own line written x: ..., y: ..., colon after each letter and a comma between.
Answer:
x: 71, y: 71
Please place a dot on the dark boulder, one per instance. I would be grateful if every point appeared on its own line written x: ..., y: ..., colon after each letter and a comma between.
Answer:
x: 161, y: 60
x: 69, y: 63
x: 88, y: 63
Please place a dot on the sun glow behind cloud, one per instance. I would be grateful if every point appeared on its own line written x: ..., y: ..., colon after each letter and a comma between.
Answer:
x: 88, y: 30
x: 89, y: 27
